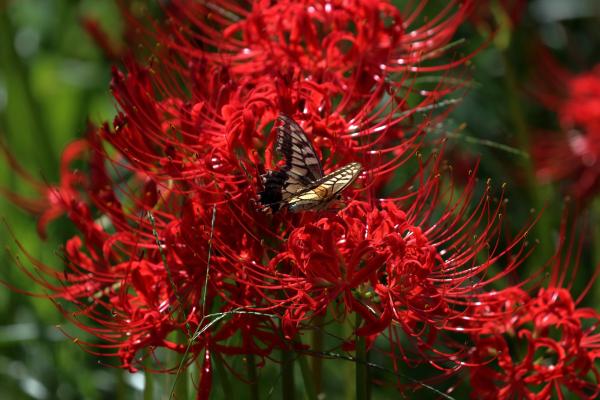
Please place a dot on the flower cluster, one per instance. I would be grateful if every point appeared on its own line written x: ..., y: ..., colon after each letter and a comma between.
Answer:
x: 545, y: 346
x: 572, y: 156
x: 171, y: 240
x: 539, y: 345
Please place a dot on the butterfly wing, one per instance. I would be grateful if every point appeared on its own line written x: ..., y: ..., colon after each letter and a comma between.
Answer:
x: 301, y: 160
x: 325, y: 190
x: 302, y: 165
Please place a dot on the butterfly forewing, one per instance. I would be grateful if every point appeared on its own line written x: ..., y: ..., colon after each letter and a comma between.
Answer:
x: 300, y: 184
x: 301, y: 160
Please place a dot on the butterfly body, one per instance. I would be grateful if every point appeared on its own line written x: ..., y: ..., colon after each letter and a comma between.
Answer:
x: 301, y: 185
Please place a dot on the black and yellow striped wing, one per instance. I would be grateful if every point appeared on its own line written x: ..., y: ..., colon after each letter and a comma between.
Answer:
x: 321, y: 193
x: 300, y: 184
x: 301, y: 160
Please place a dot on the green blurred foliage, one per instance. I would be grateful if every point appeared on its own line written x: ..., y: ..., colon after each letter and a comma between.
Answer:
x: 53, y: 79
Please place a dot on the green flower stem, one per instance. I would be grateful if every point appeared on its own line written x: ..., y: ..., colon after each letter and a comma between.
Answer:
x: 287, y: 374
x: 121, y: 385
x: 307, y: 375
x: 148, y: 381
x: 317, y: 362
x: 180, y: 386
x: 594, y: 297
x: 252, y: 376
x: 223, y: 376
x: 537, y: 194
x: 362, y: 371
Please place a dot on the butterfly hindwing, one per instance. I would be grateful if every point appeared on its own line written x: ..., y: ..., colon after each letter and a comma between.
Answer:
x: 318, y: 195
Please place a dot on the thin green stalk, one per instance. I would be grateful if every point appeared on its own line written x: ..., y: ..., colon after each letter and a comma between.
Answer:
x: 516, y: 113
x: 362, y: 369
x: 595, y: 225
x: 544, y: 226
x: 349, y: 369
x: 180, y: 386
x: 317, y: 362
x: 121, y: 385
x: 287, y: 375
x: 309, y: 385
x: 223, y: 376
x: 252, y: 376
x: 148, y: 381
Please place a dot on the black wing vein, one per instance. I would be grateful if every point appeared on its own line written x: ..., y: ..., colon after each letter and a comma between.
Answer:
x: 301, y: 160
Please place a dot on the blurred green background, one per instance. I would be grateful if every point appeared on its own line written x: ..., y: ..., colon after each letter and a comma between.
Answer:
x: 53, y: 79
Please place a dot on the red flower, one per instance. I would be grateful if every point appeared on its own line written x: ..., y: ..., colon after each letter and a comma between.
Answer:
x: 171, y: 240
x: 573, y: 156
x: 404, y: 272
x: 344, y: 42
x: 51, y: 201
x: 557, y: 351
x: 547, y: 344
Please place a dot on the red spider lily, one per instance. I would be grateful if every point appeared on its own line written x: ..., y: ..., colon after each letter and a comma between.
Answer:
x: 558, y: 352
x: 348, y: 66
x: 50, y: 204
x: 344, y: 42
x: 572, y: 156
x: 396, y: 265
x: 546, y: 344
x: 134, y: 290
x: 170, y: 239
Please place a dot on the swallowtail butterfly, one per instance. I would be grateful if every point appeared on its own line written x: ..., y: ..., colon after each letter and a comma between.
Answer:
x: 301, y: 185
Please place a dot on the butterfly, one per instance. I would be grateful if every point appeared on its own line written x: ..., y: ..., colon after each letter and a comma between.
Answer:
x: 301, y: 185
